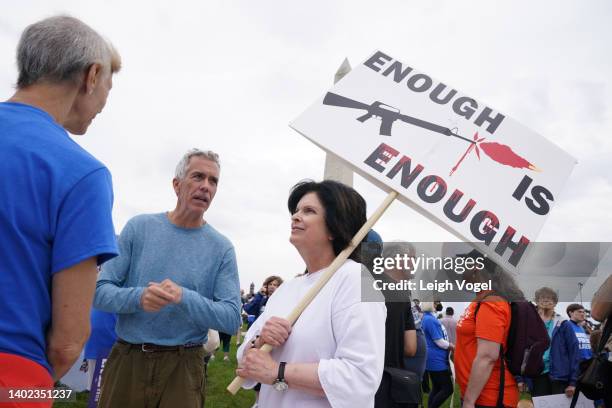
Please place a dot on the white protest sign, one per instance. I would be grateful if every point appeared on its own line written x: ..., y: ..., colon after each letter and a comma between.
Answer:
x: 470, y: 168
x: 561, y: 401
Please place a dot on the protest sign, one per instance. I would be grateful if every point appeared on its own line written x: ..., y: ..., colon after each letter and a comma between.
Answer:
x: 560, y: 401
x: 94, y: 392
x: 463, y: 164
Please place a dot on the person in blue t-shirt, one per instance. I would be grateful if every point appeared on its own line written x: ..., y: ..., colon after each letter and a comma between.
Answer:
x: 55, y: 200
x: 568, y: 348
x: 438, y: 348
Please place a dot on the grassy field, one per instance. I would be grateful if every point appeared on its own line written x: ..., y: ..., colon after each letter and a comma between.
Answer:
x: 220, y: 374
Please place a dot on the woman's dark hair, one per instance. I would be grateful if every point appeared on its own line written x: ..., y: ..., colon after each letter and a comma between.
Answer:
x: 345, y: 210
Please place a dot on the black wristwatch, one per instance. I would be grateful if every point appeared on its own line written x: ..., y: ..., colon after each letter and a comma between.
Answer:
x: 280, y: 384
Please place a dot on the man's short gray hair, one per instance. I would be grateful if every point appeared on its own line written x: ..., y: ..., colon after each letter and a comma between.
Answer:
x: 59, y: 49
x: 181, y: 167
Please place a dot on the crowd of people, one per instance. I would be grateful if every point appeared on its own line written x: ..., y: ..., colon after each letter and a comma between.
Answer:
x: 171, y: 277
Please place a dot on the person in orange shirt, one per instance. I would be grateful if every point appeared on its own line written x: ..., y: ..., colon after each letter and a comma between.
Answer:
x: 479, y: 336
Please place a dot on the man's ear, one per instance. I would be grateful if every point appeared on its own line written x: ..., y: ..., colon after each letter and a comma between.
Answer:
x: 92, y: 77
x: 175, y: 185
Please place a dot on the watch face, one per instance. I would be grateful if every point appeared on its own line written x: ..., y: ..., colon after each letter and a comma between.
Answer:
x: 280, y: 385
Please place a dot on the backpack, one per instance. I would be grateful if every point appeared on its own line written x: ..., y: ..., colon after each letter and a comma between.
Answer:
x: 527, y: 339
x: 525, y: 345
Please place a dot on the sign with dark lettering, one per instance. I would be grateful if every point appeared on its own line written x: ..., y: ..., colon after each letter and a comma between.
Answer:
x: 470, y: 168
x: 96, y: 388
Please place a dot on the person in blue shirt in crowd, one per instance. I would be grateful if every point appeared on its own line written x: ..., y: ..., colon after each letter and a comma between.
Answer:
x: 569, y: 346
x: 438, y: 349
x: 100, y: 342
x: 55, y: 200
x: 175, y: 279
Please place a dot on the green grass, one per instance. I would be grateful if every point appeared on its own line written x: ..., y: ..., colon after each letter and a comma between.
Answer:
x: 220, y: 374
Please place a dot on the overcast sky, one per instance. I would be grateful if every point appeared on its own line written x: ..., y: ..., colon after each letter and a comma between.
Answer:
x: 230, y: 75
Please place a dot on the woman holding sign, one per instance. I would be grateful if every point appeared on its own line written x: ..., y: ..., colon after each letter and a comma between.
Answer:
x: 334, y: 354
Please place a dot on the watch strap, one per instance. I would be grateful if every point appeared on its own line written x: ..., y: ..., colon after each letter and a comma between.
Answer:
x: 281, y: 371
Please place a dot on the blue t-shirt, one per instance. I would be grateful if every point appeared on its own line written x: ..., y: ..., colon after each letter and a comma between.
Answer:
x: 200, y: 260
x: 584, y: 344
x: 437, y: 358
x: 55, y: 212
x: 102, y: 335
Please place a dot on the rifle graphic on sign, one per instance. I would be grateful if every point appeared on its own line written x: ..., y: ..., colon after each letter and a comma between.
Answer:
x: 388, y: 114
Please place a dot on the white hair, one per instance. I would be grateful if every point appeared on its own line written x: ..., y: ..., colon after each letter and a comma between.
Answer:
x: 427, y: 307
x: 181, y: 167
x: 60, y: 49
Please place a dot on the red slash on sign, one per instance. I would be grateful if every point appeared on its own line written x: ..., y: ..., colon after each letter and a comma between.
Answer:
x: 497, y: 152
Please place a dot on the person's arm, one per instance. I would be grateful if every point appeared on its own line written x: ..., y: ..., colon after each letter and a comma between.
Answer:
x: 222, y: 313
x: 601, y: 305
x: 247, y: 344
x: 443, y: 344
x: 71, y: 297
x: 410, y: 338
x: 487, y: 354
x: 434, y: 330
x: 410, y: 343
x: 304, y: 377
x: 111, y: 295
x: 259, y: 366
x: 213, y: 341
